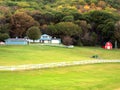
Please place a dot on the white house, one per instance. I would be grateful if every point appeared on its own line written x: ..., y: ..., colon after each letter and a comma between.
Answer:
x: 45, y: 38
x: 48, y: 39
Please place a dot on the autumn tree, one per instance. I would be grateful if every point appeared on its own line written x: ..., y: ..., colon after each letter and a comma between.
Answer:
x: 20, y: 22
x: 102, y: 4
x: 67, y: 40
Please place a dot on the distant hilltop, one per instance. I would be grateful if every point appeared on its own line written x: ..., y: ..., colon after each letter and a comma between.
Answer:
x: 61, y: 5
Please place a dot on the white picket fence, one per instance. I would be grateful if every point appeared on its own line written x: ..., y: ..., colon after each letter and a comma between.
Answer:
x: 52, y: 65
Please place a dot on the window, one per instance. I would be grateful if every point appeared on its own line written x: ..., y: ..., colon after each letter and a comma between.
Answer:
x: 45, y: 36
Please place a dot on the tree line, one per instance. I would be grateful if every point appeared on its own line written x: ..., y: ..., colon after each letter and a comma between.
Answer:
x: 92, y: 28
x: 81, y: 22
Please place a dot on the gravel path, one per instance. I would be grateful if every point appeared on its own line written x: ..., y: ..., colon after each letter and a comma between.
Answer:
x: 52, y: 65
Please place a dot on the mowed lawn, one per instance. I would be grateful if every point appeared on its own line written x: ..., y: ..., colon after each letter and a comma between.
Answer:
x: 34, y: 54
x: 86, y: 77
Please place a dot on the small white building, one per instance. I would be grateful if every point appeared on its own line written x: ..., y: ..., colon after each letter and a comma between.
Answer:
x: 56, y: 41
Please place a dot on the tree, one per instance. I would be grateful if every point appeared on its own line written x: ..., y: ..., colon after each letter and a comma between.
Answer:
x: 68, y: 18
x: 3, y: 36
x: 102, y: 24
x: 102, y: 4
x: 67, y: 29
x: 51, y: 30
x: 33, y: 33
x: 58, y: 16
x: 4, y: 30
x: 64, y: 29
x: 67, y: 40
x: 87, y: 36
x: 99, y: 16
x: 117, y: 32
x: 78, y: 16
x: 48, y: 17
x: 20, y: 22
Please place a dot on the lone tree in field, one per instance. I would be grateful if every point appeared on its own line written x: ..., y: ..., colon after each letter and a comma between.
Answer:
x: 33, y: 33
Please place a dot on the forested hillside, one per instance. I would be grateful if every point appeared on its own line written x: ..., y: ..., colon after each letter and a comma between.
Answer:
x: 81, y: 22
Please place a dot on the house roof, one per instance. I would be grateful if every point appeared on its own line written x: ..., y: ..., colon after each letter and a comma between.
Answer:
x: 45, y: 37
x: 16, y: 40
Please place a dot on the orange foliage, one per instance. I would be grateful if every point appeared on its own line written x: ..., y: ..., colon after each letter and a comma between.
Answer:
x: 86, y: 7
x: 20, y: 22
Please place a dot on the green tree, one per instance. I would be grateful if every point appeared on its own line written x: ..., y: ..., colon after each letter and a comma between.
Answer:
x: 68, y: 18
x: 58, y: 16
x: 51, y: 30
x: 99, y: 17
x: 87, y: 36
x: 64, y: 29
x: 33, y: 33
x: 4, y: 29
x: 3, y: 36
x: 48, y: 17
x: 102, y: 24
x: 67, y: 29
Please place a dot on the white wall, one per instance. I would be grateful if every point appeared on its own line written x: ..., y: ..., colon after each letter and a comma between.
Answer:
x: 55, y: 41
x: 29, y: 40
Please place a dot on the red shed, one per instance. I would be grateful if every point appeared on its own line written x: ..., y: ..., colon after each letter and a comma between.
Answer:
x: 108, y: 45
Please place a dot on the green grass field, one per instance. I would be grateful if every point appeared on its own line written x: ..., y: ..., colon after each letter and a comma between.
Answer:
x: 86, y: 77
x: 32, y: 54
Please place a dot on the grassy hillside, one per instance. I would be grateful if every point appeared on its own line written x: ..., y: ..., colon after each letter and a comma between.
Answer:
x: 14, y: 55
x: 88, y: 77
